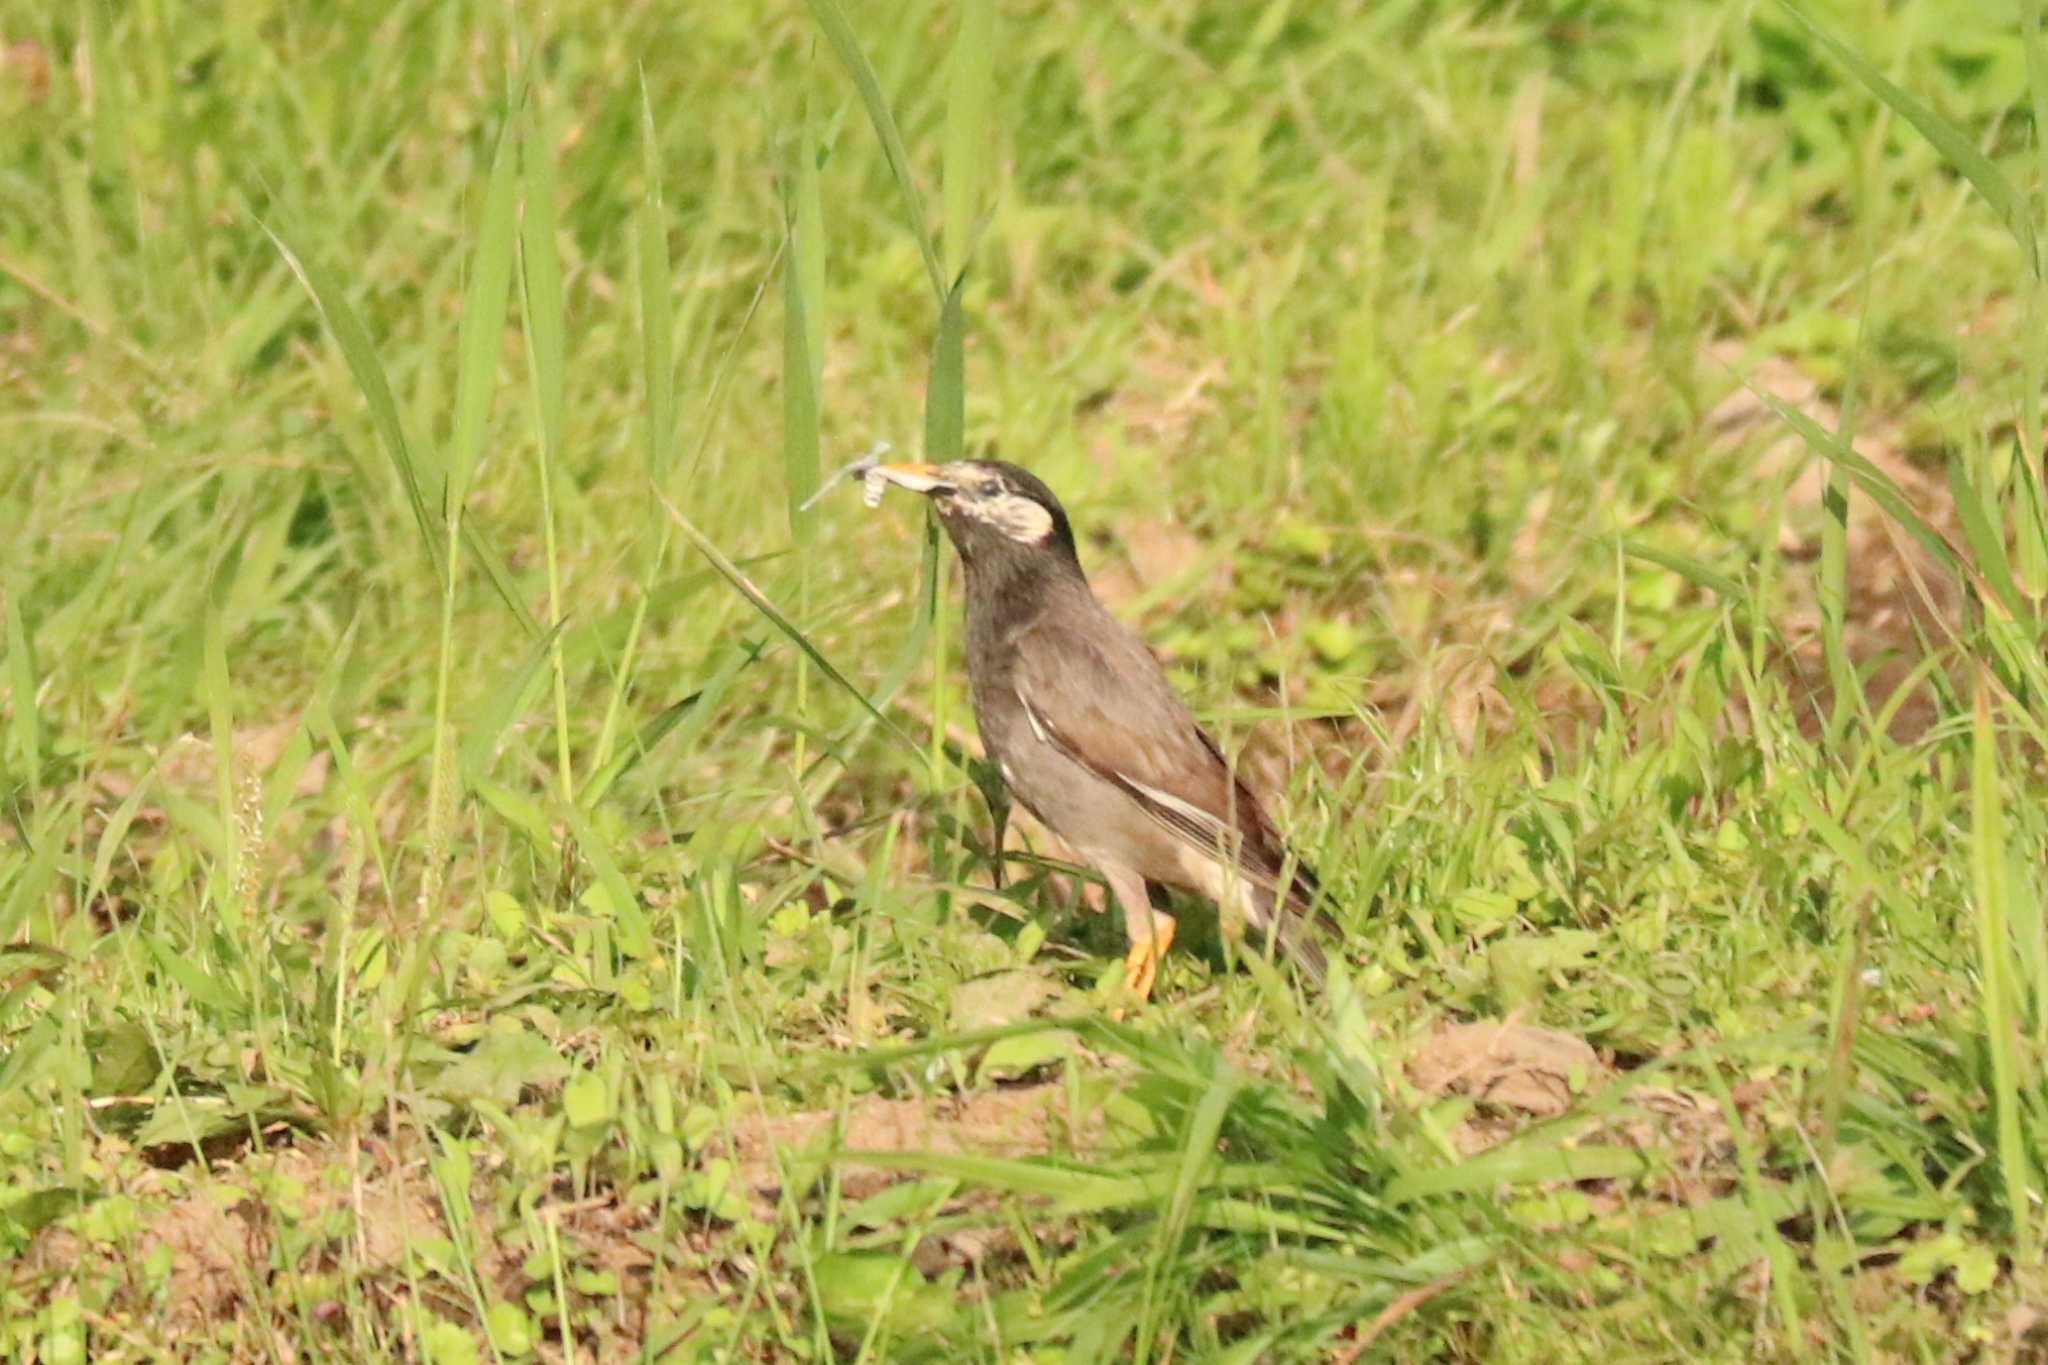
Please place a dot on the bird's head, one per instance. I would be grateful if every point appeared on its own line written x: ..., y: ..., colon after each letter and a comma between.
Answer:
x: 995, y: 513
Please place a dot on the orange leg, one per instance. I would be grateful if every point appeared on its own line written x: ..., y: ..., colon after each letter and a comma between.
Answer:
x: 1150, y: 932
x: 1141, y: 963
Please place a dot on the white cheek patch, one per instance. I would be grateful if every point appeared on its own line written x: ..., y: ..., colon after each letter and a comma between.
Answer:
x: 1019, y: 518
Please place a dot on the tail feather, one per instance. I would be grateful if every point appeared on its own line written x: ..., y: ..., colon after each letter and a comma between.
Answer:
x: 1291, y: 920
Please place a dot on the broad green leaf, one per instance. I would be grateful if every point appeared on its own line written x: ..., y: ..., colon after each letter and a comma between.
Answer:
x: 584, y: 1100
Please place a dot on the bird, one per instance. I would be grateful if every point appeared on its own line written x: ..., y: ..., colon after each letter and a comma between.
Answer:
x: 1088, y: 733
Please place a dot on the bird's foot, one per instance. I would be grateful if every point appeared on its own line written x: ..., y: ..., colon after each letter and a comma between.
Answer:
x: 1141, y: 963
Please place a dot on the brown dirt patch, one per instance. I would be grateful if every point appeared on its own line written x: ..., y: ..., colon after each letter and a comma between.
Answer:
x: 275, y: 1237
x: 1518, y: 1072
x: 1020, y: 1121
x: 1515, y: 1071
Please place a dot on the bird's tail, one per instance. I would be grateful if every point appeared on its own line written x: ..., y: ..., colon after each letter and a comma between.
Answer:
x: 1290, y: 920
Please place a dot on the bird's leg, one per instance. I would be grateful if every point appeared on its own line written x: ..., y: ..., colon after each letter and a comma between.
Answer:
x: 1150, y: 931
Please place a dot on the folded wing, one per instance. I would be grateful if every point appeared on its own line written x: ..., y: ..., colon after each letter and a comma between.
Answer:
x: 1153, y: 749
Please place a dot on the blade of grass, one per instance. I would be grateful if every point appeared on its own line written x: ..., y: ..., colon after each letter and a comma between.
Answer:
x: 840, y: 34
x: 944, y: 434
x: 349, y: 334
x: 1713, y: 580
x: 2033, y: 357
x: 1867, y: 477
x: 800, y: 367
x: 965, y: 161
x: 1953, y: 144
x: 657, y: 367
x: 481, y: 337
x: 730, y: 572
x: 1986, y: 541
x: 658, y: 381
x: 540, y: 273
x: 1994, y: 950
x: 2030, y: 519
x: 24, y: 721
x: 1197, y: 1156
x: 803, y: 273
x: 657, y: 315
x: 513, y: 693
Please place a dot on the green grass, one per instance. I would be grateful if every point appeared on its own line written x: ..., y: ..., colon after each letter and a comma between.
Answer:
x: 485, y: 877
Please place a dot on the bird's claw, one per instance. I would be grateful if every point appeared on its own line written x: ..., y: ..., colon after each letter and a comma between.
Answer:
x: 1141, y: 963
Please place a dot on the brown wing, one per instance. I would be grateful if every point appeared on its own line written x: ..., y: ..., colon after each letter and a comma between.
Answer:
x: 1108, y: 706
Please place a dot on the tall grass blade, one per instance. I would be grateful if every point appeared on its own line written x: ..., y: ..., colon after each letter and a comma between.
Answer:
x: 24, y: 721
x: 657, y: 316
x: 540, y: 271
x: 1953, y: 144
x: 945, y: 403
x: 800, y: 371
x: 730, y: 572
x: 1873, y: 481
x: 1197, y: 1157
x: 1994, y: 951
x: 809, y: 246
x: 2030, y: 523
x: 1974, y: 510
x: 657, y: 363
x: 361, y: 357
x: 481, y: 339
x: 516, y: 690
x: 803, y: 332
x: 966, y: 149
x: 2033, y: 356
x: 840, y: 34
x: 945, y: 420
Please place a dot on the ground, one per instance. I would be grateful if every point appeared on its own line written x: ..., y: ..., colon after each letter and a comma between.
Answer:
x: 486, y: 875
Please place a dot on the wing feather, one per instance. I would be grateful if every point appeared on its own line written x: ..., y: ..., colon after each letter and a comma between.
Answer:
x: 1153, y: 749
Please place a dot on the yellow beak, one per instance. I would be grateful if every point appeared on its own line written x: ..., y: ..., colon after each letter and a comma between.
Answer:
x: 918, y: 478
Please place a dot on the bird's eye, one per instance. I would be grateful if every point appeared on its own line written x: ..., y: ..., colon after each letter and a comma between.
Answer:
x: 988, y: 488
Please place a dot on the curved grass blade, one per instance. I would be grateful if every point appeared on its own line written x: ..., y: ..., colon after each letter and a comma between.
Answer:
x: 481, y: 338
x: 966, y: 148
x: 515, y: 692
x: 657, y: 320
x: 840, y: 34
x: 1873, y: 481
x: 1990, y: 894
x: 349, y: 334
x: 1713, y: 580
x: 1953, y: 144
x: 730, y: 572
x: 702, y: 703
x: 945, y: 405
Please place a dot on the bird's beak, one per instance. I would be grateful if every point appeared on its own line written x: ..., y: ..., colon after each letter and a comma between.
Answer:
x: 918, y: 478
